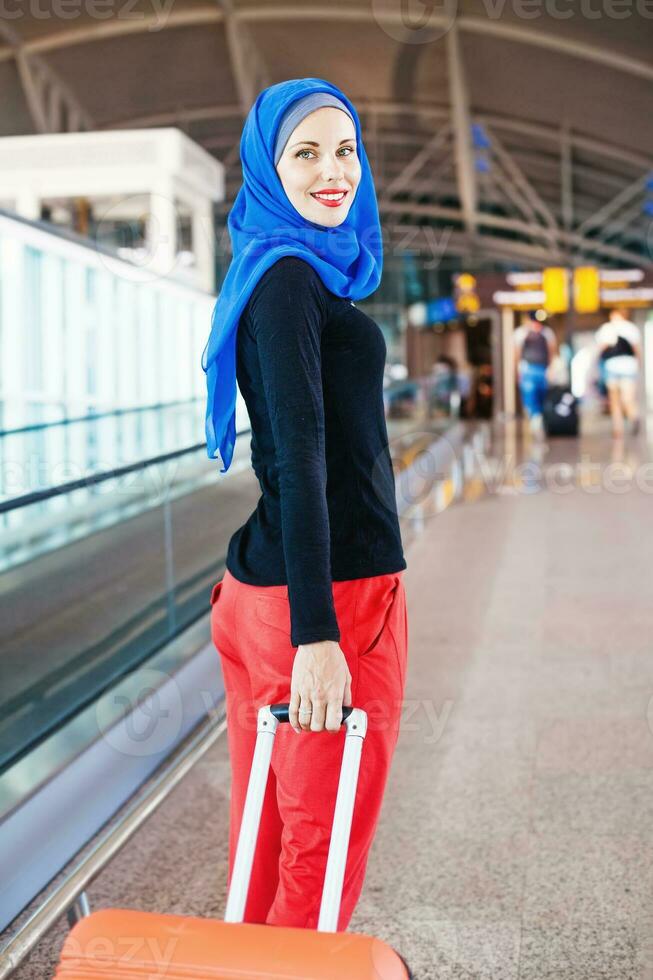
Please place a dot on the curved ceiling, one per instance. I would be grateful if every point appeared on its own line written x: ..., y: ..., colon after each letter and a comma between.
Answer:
x: 518, y: 129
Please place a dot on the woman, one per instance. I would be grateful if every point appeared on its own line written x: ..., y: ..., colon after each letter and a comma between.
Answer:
x: 311, y: 609
x: 620, y: 351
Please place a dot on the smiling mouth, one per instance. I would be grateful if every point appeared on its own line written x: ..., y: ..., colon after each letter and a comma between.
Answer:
x: 331, y: 199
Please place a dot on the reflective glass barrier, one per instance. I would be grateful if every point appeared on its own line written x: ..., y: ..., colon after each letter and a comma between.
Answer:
x: 139, y: 550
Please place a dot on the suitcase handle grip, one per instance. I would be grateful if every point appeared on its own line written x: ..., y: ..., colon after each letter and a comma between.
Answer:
x: 280, y: 712
x: 268, y: 719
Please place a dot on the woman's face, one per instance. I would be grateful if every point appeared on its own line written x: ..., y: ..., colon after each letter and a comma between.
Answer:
x: 321, y: 155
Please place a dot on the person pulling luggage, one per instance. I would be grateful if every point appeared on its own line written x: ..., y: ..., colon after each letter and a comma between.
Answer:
x: 535, y: 346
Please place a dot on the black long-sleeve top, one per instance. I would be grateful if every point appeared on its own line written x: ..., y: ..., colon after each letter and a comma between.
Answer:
x: 310, y: 366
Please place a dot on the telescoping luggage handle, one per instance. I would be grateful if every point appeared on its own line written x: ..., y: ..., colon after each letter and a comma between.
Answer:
x: 268, y: 719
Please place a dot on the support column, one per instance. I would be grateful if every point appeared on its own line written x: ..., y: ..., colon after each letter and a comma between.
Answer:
x: 497, y: 362
x: 28, y: 204
x: 203, y: 234
x: 462, y: 131
x: 507, y: 350
x: 162, y: 228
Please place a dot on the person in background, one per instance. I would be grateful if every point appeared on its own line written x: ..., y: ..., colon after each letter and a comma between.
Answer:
x: 535, y: 345
x: 483, y: 393
x: 444, y: 384
x: 620, y: 349
x: 465, y: 391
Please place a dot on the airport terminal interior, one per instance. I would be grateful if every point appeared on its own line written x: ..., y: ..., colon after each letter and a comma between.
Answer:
x: 511, y: 149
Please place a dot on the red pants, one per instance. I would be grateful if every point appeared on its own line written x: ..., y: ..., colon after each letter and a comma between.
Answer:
x: 250, y: 627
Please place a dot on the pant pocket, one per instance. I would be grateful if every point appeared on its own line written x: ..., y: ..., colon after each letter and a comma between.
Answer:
x: 215, y: 592
x: 399, y: 629
x: 222, y: 620
x: 374, y: 606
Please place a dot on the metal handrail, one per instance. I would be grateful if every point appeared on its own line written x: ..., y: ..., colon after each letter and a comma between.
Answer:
x: 93, y: 478
x: 37, y: 690
x: 96, y: 416
x: 69, y: 891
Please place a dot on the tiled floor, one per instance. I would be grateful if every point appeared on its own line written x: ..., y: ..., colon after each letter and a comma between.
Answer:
x: 516, y: 838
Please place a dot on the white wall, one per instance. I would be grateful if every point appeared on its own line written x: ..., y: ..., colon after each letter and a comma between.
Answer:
x: 82, y: 332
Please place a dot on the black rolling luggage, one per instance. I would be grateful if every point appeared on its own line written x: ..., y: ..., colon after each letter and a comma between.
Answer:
x: 560, y: 412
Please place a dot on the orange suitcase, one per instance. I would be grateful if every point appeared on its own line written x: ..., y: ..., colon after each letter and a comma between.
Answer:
x: 125, y: 944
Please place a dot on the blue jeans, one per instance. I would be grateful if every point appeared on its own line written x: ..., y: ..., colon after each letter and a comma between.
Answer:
x: 533, y: 387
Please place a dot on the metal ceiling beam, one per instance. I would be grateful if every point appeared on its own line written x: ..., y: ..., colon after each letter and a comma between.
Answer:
x: 619, y: 201
x: 33, y: 90
x: 462, y: 130
x: 547, y: 133
x: 46, y: 95
x: 32, y: 87
x: 547, y: 170
x: 530, y: 36
x: 508, y: 192
x: 104, y: 30
x: 250, y: 74
x: 174, y: 116
x: 520, y: 180
x: 412, y: 168
x: 492, y: 247
x: 459, y: 243
x: 558, y: 43
x: 622, y: 223
x: 448, y: 188
x: 387, y: 107
x: 518, y: 185
x: 589, y: 246
x: 566, y: 180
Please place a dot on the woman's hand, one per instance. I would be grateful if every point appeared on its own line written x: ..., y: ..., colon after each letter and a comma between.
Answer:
x: 321, y: 684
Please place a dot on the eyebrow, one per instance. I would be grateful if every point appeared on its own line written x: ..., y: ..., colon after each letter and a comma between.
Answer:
x: 349, y: 139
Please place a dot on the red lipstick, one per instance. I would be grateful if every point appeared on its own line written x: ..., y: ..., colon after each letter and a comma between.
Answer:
x: 333, y: 201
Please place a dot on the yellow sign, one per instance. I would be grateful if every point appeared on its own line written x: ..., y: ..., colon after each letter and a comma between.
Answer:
x: 466, y: 298
x: 587, y: 282
x: 555, y: 283
x: 465, y: 281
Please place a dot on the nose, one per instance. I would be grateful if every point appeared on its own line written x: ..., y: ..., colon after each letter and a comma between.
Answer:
x: 332, y: 169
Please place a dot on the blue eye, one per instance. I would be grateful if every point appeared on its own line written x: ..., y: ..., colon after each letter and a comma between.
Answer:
x: 351, y: 148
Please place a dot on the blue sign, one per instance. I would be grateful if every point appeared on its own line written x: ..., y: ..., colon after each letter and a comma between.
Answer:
x: 440, y: 310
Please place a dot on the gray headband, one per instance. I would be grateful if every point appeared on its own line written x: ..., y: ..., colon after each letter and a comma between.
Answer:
x: 296, y: 112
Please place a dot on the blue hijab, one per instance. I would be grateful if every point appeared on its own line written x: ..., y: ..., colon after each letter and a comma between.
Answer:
x: 264, y: 226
